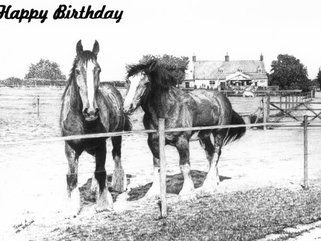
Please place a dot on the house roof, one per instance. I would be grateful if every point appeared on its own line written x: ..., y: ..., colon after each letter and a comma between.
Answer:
x: 222, y: 69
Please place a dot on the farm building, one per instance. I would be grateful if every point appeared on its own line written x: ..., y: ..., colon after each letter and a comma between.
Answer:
x: 228, y: 73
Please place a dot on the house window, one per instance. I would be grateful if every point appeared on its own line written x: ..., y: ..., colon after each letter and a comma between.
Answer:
x: 240, y: 69
x: 220, y: 70
x: 212, y: 82
x: 259, y: 69
x: 187, y: 85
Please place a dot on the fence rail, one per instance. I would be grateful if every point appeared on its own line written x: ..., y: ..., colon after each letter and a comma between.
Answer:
x: 128, y: 133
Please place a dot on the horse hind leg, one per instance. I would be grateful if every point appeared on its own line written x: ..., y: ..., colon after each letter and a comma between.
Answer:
x: 119, y: 181
x: 74, y: 205
x: 212, y: 178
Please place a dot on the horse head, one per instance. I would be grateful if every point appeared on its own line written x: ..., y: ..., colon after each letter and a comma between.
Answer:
x: 144, y: 78
x: 86, y: 73
x: 138, y: 82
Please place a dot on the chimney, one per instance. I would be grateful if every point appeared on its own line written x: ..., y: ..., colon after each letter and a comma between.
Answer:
x: 194, y: 58
x: 261, y: 57
x: 227, y: 58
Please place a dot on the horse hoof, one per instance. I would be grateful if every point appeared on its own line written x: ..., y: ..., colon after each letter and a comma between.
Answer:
x: 205, y: 191
x: 121, y: 203
x: 152, y: 193
x: 73, y: 206
x: 104, y: 201
x: 149, y: 197
x: 71, y: 212
x: 187, y: 194
x: 122, y: 197
x: 103, y: 208
x: 188, y: 197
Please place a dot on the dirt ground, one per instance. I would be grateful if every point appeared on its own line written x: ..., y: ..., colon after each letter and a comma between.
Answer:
x: 33, y: 188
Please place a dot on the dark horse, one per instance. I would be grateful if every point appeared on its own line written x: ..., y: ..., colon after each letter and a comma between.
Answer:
x: 152, y: 86
x: 88, y: 108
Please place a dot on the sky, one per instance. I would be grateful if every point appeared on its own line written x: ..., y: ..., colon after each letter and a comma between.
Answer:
x: 207, y: 28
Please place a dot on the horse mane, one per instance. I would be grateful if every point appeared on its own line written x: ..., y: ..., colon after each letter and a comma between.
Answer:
x: 85, y: 57
x: 161, y: 75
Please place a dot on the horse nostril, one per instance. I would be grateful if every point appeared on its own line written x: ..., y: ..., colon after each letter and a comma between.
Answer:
x: 97, y: 111
x: 85, y: 111
x: 129, y: 108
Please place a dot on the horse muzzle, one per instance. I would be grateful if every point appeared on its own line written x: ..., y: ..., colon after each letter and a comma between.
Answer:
x: 91, y: 115
x: 129, y: 109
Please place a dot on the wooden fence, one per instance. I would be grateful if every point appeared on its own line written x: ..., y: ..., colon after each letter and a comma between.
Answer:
x: 162, y: 132
x: 287, y: 103
x: 282, y: 93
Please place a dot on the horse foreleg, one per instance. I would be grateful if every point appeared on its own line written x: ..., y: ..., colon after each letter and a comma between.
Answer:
x: 182, y: 146
x: 154, y: 190
x: 73, y: 208
x: 119, y: 181
x: 104, y: 199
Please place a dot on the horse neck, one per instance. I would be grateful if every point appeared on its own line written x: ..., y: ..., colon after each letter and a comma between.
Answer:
x: 158, y: 101
x: 75, y: 100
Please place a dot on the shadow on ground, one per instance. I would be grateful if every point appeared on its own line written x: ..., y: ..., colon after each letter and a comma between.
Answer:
x: 174, y: 184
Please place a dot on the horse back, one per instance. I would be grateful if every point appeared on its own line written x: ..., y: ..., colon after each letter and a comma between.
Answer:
x: 210, y: 108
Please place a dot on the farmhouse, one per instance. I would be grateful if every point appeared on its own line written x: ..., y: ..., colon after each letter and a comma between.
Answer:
x: 226, y: 74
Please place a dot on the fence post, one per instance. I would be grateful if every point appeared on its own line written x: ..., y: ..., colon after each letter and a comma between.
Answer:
x: 281, y: 100
x: 38, y: 104
x: 286, y: 103
x: 161, y: 133
x: 265, y: 107
x: 305, y: 134
x: 268, y: 108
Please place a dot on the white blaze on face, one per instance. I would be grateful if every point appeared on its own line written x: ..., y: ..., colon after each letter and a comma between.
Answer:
x: 134, y: 82
x: 90, y: 85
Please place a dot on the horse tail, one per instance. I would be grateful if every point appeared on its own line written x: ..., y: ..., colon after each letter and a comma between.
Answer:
x: 127, y: 124
x: 234, y: 134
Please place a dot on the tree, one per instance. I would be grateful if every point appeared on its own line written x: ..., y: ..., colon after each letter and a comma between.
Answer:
x: 176, y: 65
x: 319, y: 78
x: 289, y: 73
x: 45, y: 69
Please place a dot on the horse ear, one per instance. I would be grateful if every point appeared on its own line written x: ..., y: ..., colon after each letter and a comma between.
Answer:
x: 152, y: 66
x: 96, y: 47
x: 79, y: 48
